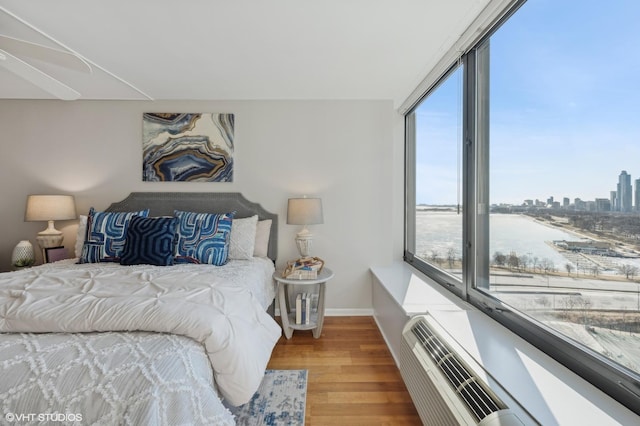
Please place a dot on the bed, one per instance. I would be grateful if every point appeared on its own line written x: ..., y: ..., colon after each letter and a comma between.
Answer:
x: 127, y: 342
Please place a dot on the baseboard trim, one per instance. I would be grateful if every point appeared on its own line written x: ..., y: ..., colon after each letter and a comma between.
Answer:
x: 348, y: 312
x: 342, y: 312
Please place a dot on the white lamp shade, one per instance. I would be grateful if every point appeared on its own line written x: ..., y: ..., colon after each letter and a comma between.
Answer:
x: 304, y: 211
x: 42, y: 208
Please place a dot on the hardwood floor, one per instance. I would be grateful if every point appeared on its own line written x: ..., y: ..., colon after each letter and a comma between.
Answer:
x: 352, y: 378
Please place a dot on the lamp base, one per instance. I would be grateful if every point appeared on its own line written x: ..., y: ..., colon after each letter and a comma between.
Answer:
x: 304, y: 244
x: 50, y: 237
x: 48, y: 241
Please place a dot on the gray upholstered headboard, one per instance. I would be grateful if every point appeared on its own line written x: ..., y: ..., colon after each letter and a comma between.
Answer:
x: 164, y: 203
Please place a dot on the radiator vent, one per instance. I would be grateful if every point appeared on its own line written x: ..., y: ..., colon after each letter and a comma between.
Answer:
x: 445, y: 384
x: 463, y: 382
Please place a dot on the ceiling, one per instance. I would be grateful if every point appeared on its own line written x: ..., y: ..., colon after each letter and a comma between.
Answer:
x: 236, y: 50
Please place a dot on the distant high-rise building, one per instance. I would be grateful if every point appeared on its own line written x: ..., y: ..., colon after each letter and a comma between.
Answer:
x: 613, y: 196
x: 603, y: 205
x: 624, y: 192
x: 566, y: 202
x: 636, y: 195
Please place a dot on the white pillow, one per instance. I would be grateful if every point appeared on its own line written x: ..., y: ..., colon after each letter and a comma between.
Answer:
x: 263, y: 231
x: 243, y: 237
x: 82, y: 230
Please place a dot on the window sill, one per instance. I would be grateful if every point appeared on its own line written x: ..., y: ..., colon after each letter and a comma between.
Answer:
x: 546, y: 389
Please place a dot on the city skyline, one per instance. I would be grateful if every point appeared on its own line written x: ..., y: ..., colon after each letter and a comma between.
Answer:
x: 562, y: 108
x: 633, y: 197
x: 626, y: 198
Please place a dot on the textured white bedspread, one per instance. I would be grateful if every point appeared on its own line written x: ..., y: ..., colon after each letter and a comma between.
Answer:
x: 133, y: 378
x: 208, y: 304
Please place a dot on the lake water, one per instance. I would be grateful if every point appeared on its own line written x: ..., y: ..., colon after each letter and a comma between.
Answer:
x: 442, y: 230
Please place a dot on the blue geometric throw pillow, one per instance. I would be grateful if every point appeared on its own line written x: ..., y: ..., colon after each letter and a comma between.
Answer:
x: 203, y: 237
x: 106, y: 235
x: 150, y: 241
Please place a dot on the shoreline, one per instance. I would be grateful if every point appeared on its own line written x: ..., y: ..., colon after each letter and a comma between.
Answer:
x: 566, y: 227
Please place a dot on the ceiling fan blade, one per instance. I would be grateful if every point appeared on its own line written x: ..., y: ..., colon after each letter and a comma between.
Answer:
x: 59, y: 57
x: 37, y: 77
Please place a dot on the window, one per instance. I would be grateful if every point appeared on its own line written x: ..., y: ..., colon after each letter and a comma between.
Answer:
x: 437, y: 241
x: 549, y: 236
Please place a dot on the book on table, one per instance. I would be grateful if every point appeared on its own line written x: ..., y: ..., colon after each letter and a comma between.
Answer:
x: 303, y: 318
x: 303, y: 308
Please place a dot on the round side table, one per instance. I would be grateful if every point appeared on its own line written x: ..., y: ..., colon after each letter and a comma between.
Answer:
x: 288, y: 316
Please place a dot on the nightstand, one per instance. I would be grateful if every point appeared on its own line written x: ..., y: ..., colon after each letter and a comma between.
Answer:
x: 313, y: 286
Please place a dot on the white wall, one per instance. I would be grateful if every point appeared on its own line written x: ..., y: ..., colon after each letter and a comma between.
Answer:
x: 346, y: 152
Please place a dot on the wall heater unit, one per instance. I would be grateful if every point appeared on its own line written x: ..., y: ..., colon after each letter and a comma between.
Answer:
x: 445, y: 389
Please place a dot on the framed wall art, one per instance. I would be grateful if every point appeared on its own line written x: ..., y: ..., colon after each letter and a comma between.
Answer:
x: 187, y: 147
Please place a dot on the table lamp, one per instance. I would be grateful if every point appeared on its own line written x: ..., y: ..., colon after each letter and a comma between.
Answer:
x: 49, y: 208
x: 304, y: 211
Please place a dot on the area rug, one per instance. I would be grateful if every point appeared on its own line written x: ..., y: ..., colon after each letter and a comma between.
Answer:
x: 280, y: 400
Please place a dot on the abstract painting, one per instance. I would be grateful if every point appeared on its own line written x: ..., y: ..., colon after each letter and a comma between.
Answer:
x: 187, y: 147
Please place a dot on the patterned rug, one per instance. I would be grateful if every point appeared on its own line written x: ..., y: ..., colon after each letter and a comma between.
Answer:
x: 280, y: 400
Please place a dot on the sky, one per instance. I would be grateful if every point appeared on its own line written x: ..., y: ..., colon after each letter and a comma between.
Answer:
x: 565, y: 120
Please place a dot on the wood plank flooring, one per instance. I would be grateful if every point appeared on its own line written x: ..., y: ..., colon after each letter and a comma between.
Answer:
x: 353, y: 379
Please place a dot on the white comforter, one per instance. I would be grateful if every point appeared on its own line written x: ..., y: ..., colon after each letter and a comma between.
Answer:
x: 210, y: 305
x: 112, y: 378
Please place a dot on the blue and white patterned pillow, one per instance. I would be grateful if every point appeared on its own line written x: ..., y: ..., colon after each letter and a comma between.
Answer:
x: 106, y: 235
x: 203, y: 237
x: 150, y: 241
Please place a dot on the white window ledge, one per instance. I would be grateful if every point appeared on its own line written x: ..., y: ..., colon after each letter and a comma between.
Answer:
x: 550, y: 392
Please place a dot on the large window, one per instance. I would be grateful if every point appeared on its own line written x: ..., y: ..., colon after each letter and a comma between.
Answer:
x: 548, y: 241
x: 437, y: 217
